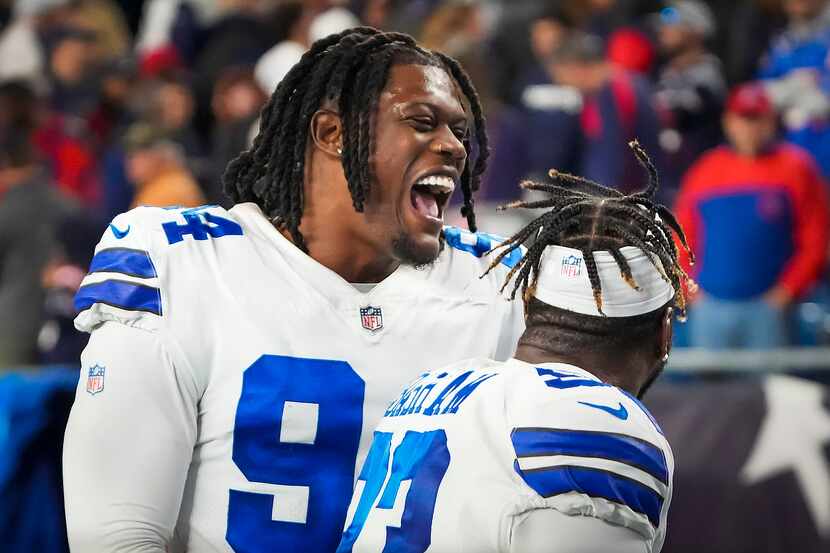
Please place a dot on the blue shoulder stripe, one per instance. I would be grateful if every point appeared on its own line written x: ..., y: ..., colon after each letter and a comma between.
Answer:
x: 126, y: 261
x: 479, y: 243
x: 121, y: 294
x: 537, y: 442
x: 549, y: 482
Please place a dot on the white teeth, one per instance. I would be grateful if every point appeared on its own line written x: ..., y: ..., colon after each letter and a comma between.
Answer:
x: 444, y: 183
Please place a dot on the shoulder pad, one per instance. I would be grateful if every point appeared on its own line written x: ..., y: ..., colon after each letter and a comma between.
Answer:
x: 589, y: 448
x: 126, y: 277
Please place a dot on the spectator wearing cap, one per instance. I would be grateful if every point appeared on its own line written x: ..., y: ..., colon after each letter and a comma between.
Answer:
x: 756, y: 215
x: 156, y: 167
x: 690, y: 89
x: 798, y: 78
x: 616, y: 108
x: 631, y: 49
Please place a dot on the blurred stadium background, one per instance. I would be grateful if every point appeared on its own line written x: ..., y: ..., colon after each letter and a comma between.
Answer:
x: 105, y: 104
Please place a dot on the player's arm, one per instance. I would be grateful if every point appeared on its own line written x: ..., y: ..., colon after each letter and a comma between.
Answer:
x: 550, y: 531
x: 129, y: 444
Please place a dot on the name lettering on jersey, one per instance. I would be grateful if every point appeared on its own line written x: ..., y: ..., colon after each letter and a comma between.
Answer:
x: 200, y: 224
x: 439, y: 397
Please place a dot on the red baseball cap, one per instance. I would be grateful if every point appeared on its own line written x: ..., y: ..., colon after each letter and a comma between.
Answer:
x: 631, y: 49
x: 749, y: 100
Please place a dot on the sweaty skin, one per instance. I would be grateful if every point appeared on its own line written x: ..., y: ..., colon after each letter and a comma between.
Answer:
x: 419, y: 127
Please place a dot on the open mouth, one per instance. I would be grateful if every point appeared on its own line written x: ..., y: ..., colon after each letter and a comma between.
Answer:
x: 430, y: 195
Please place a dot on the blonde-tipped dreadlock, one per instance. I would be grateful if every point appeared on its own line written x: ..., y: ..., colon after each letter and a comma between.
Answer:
x: 588, y: 216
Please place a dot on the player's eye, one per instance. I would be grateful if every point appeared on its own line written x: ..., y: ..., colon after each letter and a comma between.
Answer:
x: 422, y: 124
x: 460, y: 133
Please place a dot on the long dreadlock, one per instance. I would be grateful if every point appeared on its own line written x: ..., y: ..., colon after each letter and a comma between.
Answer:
x: 588, y: 216
x: 351, y: 68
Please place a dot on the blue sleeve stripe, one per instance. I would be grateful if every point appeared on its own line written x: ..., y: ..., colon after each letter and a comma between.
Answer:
x: 120, y: 294
x: 483, y: 243
x: 595, y: 483
x: 535, y: 442
x: 136, y: 263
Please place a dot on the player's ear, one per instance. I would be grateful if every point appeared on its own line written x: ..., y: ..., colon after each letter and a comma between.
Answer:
x: 327, y: 132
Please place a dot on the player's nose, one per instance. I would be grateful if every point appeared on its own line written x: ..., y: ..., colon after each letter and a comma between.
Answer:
x: 447, y: 144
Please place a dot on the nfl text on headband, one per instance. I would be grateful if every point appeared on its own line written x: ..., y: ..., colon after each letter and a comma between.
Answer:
x: 563, y: 282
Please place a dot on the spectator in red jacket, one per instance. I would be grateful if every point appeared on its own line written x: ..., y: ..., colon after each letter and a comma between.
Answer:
x: 756, y: 214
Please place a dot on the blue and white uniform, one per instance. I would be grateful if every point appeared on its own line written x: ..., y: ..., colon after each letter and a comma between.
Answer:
x: 230, y: 385
x: 486, y: 457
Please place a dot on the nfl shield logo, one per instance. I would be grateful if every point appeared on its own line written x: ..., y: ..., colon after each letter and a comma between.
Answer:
x: 371, y: 318
x: 571, y: 266
x: 95, y: 380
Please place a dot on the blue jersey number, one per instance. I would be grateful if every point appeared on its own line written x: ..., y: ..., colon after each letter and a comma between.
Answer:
x: 422, y: 458
x: 200, y: 224
x: 296, y: 436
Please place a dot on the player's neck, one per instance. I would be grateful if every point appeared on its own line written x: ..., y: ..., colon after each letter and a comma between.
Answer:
x: 336, y: 235
x: 336, y: 248
x: 616, y: 372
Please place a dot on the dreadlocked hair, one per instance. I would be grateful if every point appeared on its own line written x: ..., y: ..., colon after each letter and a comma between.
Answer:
x: 350, y: 68
x: 588, y: 216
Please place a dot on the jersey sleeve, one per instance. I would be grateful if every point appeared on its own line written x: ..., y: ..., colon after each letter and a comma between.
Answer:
x: 128, y: 443
x: 125, y: 279
x: 587, y: 449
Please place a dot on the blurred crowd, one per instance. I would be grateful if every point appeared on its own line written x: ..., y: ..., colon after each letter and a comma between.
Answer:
x: 109, y: 104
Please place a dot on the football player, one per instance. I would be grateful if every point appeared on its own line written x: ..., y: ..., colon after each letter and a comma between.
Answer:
x: 550, y: 451
x: 239, y: 359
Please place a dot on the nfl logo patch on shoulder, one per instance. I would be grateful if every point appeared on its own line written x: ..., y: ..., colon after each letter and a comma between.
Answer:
x: 371, y: 318
x: 571, y: 266
x: 95, y: 380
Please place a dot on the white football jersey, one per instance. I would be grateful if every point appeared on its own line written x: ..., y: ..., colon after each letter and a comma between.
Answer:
x: 466, y: 455
x: 231, y: 383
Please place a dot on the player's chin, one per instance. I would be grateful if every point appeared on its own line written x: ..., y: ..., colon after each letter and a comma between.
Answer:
x: 417, y: 249
x: 419, y: 241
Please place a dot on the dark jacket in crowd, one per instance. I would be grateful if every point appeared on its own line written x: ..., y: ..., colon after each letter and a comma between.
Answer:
x: 29, y: 215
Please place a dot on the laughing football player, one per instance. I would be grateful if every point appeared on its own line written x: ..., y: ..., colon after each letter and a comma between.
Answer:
x: 239, y: 358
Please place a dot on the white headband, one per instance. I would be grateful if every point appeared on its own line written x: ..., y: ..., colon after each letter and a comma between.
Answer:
x: 563, y: 282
